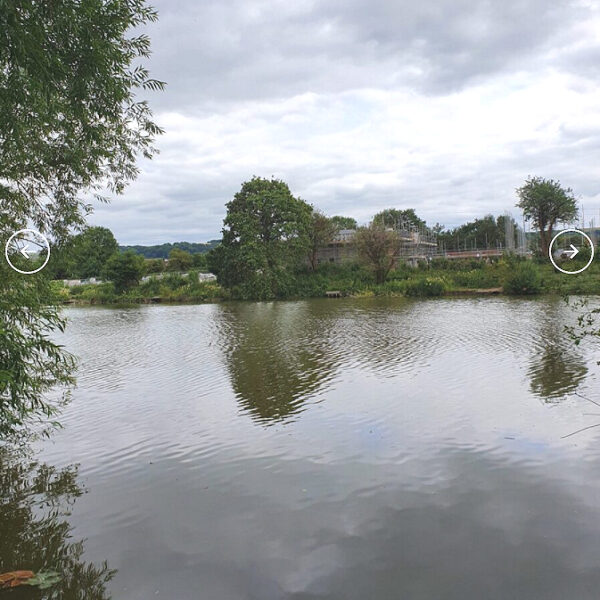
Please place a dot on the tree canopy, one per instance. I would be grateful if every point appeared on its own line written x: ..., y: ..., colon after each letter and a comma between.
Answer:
x: 180, y: 260
x: 163, y: 250
x: 69, y: 119
x: 265, y: 234
x: 85, y: 254
x: 124, y: 269
x: 486, y: 232
x: 545, y: 203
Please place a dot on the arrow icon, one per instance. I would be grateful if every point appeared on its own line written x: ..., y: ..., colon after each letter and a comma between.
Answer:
x: 573, y: 252
x: 25, y: 251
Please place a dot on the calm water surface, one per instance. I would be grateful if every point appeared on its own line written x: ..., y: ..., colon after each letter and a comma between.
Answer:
x: 347, y: 449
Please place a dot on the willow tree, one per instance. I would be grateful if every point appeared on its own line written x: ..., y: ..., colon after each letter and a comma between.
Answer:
x: 72, y: 126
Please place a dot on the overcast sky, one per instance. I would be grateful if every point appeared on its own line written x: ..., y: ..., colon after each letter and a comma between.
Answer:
x: 359, y: 105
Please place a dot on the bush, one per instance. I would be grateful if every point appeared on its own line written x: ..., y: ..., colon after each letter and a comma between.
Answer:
x: 124, y: 269
x: 102, y: 293
x: 61, y: 291
x: 76, y: 290
x: 150, y: 287
x: 154, y: 265
x: 478, y: 278
x: 524, y: 278
x: 461, y: 264
x: 393, y: 287
x: 174, y: 281
x: 179, y: 260
x: 425, y: 287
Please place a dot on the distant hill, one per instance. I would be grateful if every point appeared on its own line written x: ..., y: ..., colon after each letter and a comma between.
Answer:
x: 162, y: 250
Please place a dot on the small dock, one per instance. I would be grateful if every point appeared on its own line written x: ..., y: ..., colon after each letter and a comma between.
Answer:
x: 333, y: 294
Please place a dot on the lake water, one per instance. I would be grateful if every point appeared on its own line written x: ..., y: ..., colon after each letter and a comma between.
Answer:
x: 321, y: 449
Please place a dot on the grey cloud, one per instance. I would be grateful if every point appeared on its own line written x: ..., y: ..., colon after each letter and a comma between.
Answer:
x: 269, y: 88
x: 213, y: 53
x: 440, y: 191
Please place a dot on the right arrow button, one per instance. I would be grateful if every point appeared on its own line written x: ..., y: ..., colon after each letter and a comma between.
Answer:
x: 573, y: 252
x: 570, y: 252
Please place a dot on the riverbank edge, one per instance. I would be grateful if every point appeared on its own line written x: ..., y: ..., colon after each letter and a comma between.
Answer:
x: 456, y: 293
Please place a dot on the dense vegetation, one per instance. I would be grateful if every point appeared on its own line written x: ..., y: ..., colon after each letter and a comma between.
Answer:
x: 70, y: 127
x: 486, y: 232
x: 163, y: 250
x: 512, y: 274
x: 270, y: 247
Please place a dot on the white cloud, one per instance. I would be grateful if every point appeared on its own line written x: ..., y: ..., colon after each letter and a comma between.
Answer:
x: 445, y: 110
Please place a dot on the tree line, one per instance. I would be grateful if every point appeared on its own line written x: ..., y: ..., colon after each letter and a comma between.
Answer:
x: 95, y: 253
x: 269, y: 234
x: 163, y: 250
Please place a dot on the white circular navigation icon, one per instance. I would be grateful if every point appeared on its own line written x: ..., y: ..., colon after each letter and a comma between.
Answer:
x: 27, y: 251
x: 567, y: 248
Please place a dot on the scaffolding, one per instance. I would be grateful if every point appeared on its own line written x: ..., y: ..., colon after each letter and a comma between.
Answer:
x: 417, y: 242
x: 515, y: 239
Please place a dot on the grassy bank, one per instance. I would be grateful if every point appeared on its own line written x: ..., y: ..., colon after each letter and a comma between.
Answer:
x: 440, y: 277
x: 171, y: 288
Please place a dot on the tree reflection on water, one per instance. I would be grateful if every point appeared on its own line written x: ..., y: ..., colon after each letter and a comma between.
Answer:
x: 35, y: 503
x: 278, y: 355
x: 558, y: 367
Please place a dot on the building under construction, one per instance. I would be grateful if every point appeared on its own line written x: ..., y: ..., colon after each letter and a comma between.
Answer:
x: 417, y: 243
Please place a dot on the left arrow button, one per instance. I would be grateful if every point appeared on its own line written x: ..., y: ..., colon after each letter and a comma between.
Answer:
x: 31, y: 245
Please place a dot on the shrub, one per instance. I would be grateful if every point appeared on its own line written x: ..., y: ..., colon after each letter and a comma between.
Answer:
x: 174, y: 281
x: 425, y: 287
x: 393, y: 287
x: 524, y: 278
x: 124, y: 269
x: 102, y: 293
x: 61, y: 291
x: 150, y: 287
x: 477, y: 278
x: 76, y: 290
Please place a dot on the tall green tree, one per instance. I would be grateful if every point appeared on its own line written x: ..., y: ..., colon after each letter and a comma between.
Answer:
x: 546, y: 203
x: 91, y: 249
x: 379, y: 247
x: 265, y: 235
x: 71, y: 125
x: 321, y: 232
